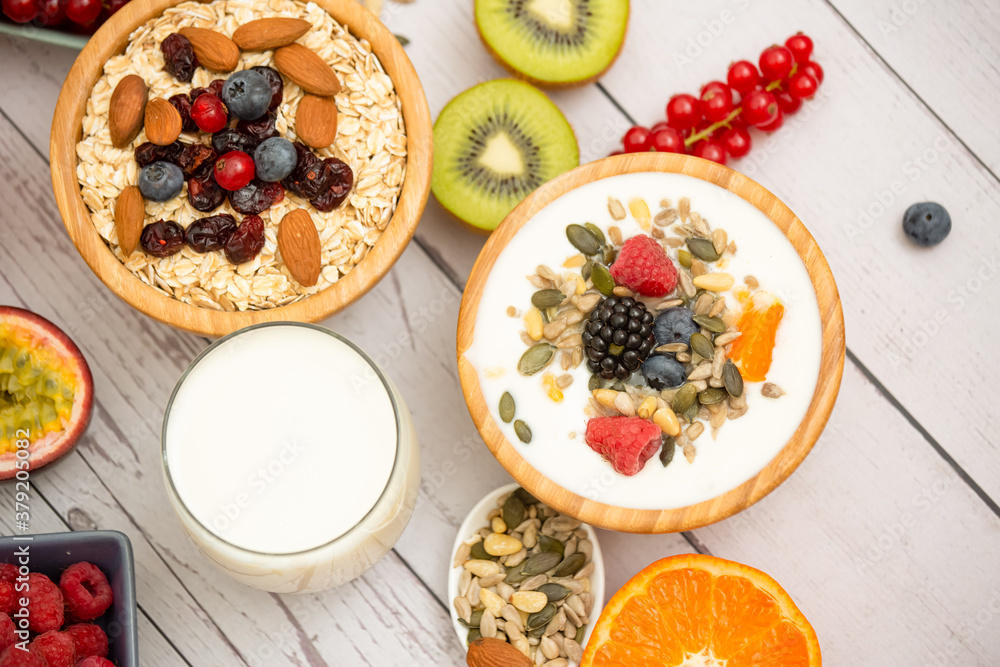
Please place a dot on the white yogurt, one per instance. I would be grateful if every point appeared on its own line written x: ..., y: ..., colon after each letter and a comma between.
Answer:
x: 558, y: 449
x: 287, y: 460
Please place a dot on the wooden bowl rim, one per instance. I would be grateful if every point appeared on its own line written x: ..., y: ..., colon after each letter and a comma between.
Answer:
x: 791, y: 454
x: 111, y: 39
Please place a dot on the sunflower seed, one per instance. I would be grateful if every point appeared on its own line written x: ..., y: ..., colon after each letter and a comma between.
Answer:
x: 698, y: 268
x: 701, y: 372
x: 548, y: 648
x: 473, y: 593
x: 687, y: 286
x: 583, y: 239
x: 719, y: 240
x: 463, y: 608
x: 725, y: 339
x: 587, y: 302
x: 666, y: 217
x: 602, y: 279
x: 506, y: 407
x: 684, y: 208
x: 703, y: 303
x: 557, y: 623
x: 714, y: 282
x: 671, y: 348
x: 533, y: 583
x: 717, y: 307
x: 573, y: 651
x: 616, y: 209
x: 733, y: 379
x: 488, y: 624
x: 535, y: 358
x: 615, y: 234
x: 771, y: 390
x: 751, y: 282
x: 717, y: 363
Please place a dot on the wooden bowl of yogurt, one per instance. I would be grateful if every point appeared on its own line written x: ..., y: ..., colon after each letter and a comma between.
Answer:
x: 384, y: 134
x: 721, y: 469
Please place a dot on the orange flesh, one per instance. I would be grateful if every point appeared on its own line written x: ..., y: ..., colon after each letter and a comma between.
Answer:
x: 702, y: 611
x: 758, y: 323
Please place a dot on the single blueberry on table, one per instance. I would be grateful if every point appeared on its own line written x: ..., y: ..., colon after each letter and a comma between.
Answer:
x: 663, y: 372
x: 276, y: 158
x: 247, y: 94
x: 674, y: 325
x: 926, y: 223
x: 161, y: 181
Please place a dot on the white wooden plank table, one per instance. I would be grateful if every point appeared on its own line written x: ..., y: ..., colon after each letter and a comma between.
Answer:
x: 888, y: 536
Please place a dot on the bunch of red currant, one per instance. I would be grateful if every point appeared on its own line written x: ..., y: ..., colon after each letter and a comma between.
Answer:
x: 714, y: 126
x: 84, y: 15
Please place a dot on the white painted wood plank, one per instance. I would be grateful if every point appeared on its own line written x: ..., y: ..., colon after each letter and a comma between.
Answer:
x: 948, y: 52
x: 849, y: 164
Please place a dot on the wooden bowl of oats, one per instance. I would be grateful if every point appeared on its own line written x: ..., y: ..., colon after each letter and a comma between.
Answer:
x: 650, y: 343
x: 363, y: 190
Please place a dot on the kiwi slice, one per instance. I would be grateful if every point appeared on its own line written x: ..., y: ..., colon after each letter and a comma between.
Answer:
x: 493, y: 145
x: 554, y: 42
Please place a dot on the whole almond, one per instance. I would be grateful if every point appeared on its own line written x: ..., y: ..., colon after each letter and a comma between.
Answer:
x: 298, y: 242
x: 214, y: 50
x: 307, y: 69
x: 127, y: 110
x: 163, y: 122
x: 488, y: 652
x: 130, y: 213
x: 270, y: 33
x: 316, y: 121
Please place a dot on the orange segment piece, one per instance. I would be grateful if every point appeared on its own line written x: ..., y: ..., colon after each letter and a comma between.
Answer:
x: 758, y: 325
x: 696, y: 610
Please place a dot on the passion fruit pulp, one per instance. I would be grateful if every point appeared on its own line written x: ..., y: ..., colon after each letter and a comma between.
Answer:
x: 46, y: 390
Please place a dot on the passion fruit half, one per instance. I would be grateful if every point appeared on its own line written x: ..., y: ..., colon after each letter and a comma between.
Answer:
x: 46, y: 391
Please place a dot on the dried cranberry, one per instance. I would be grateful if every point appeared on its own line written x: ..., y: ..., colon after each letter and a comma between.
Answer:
x: 231, y: 139
x: 311, y: 177
x: 256, y: 196
x: 148, y: 153
x: 244, y: 244
x: 260, y: 129
x: 205, y: 194
x: 197, y: 160
x: 340, y: 187
x: 162, y: 238
x: 178, y: 56
x: 273, y: 80
x: 210, y: 233
x: 183, y: 105
x: 214, y: 88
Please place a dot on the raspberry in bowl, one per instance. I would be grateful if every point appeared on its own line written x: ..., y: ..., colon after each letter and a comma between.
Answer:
x: 179, y: 113
x: 650, y: 343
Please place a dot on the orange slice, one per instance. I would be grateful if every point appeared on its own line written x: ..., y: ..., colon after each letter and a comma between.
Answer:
x: 758, y: 323
x: 701, y: 611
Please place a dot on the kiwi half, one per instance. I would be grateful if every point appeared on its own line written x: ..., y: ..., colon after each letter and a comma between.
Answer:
x: 494, y: 144
x: 554, y: 42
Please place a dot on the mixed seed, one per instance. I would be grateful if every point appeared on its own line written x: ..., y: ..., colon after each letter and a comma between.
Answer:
x: 526, y: 580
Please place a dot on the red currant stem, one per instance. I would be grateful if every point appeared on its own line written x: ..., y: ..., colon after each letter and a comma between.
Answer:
x: 773, y: 86
x: 698, y: 136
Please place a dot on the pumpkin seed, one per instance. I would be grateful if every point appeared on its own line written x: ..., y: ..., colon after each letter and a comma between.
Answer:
x: 691, y: 413
x: 525, y: 497
x: 684, y: 398
x: 667, y: 453
x: 609, y: 255
x: 477, y: 615
x: 547, y: 298
x: 515, y: 576
x: 506, y: 407
x: 702, y: 249
x: 711, y: 396
x: 603, y: 281
x: 537, y: 632
x: 540, y: 619
x: 733, y: 379
x: 580, y: 632
x: 713, y: 324
x: 594, y: 383
x: 541, y: 562
x: 596, y: 231
x: 474, y: 634
x: 513, y: 510
x: 522, y: 431
x: 702, y: 345
x: 554, y: 592
x: 546, y: 543
x: 478, y: 552
x: 684, y: 257
x: 537, y: 357
x: 570, y: 565
x: 583, y: 239
x: 587, y: 269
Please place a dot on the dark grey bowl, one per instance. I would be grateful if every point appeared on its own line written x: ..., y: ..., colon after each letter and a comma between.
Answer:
x: 51, y: 553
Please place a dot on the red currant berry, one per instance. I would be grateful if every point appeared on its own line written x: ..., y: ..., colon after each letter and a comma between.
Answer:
x: 711, y: 150
x: 683, y: 111
x: 802, y: 85
x: 51, y: 12
x: 814, y: 70
x: 716, y: 101
x: 659, y: 126
x: 209, y: 113
x: 20, y: 11
x: 787, y: 103
x: 760, y: 108
x: 115, y: 5
x: 83, y: 12
x: 776, y: 62
x: 234, y: 169
x: 743, y: 76
x: 667, y: 140
x: 773, y: 124
x: 801, y: 47
x: 614, y: 153
x: 636, y: 140
x: 736, y: 141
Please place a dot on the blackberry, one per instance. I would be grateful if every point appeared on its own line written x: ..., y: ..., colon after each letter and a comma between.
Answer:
x: 618, y: 337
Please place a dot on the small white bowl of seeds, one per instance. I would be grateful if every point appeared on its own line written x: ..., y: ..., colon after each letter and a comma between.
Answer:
x: 528, y: 575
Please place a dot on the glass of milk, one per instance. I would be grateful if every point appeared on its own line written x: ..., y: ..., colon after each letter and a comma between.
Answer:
x: 290, y: 458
